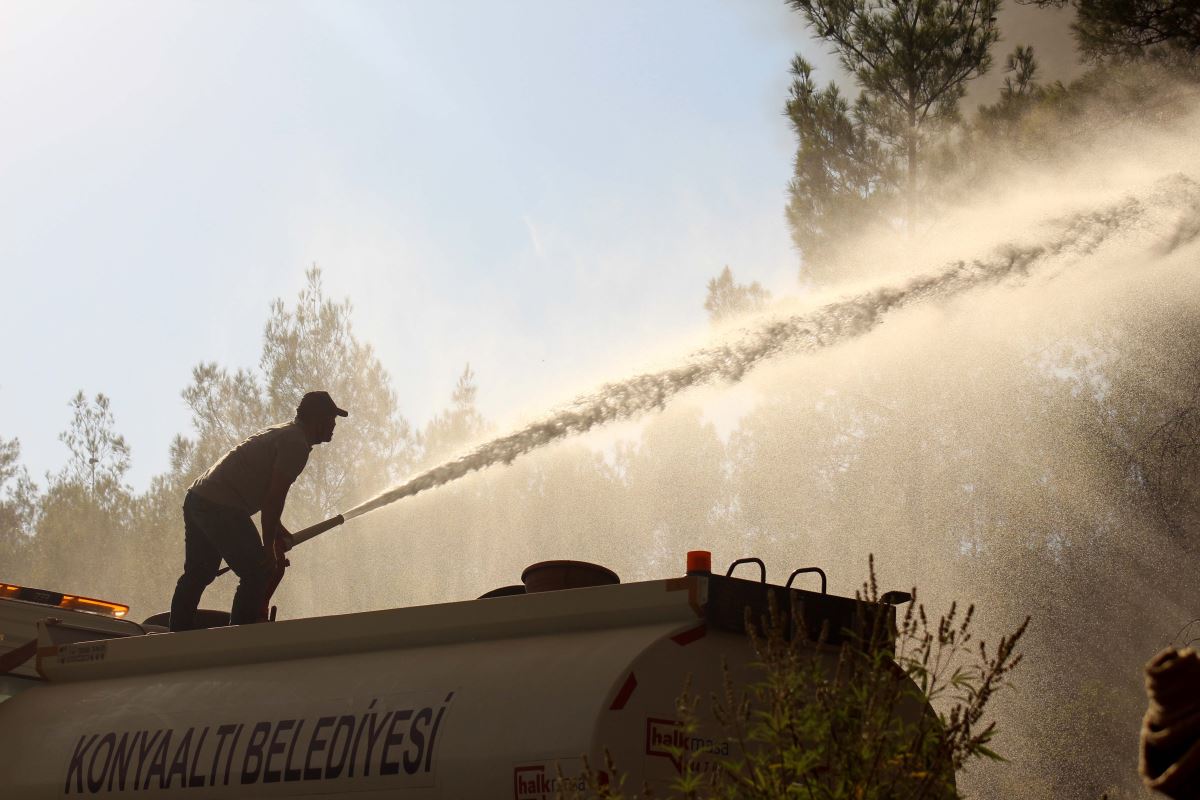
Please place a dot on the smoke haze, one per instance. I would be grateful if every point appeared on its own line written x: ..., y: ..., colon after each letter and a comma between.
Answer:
x: 1071, y: 238
x: 981, y: 413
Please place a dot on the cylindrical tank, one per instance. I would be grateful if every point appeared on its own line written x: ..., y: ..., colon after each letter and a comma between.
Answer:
x: 490, y: 698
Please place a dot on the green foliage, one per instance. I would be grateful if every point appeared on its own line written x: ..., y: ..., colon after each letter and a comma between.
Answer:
x: 1003, y: 127
x: 728, y: 300
x: 1124, y: 30
x: 873, y: 165
x: 99, y: 456
x: 859, y: 728
x: 1020, y: 87
x: 225, y: 409
x: 458, y: 425
x: 911, y: 60
x: 889, y: 161
x: 18, y: 503
x: 911, y: 57
x: 79, y: 535
x: 843, y: 177
x: 313, y: 345
x: 1033, y: 123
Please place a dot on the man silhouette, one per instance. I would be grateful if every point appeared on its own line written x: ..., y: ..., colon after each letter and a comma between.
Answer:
x: 254, y: 476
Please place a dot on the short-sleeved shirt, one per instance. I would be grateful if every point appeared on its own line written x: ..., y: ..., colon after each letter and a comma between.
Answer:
x: 240, y: 479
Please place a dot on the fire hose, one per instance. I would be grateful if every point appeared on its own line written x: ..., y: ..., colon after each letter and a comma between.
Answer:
x: 316, y: 530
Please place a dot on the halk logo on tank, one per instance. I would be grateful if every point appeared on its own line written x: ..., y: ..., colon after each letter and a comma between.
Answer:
x: 546, y: 780
x: 670, y: 739
x: 392, y: 742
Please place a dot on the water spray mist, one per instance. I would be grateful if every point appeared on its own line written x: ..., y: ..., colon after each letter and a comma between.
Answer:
x: 729, y: 361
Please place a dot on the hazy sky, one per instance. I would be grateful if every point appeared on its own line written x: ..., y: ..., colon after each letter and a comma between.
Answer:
x: 539, y: 188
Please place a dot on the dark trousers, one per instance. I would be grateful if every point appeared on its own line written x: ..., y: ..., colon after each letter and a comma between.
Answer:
x: 212, y: 532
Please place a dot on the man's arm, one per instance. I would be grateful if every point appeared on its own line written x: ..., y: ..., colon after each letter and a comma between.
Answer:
x: 272, y: 509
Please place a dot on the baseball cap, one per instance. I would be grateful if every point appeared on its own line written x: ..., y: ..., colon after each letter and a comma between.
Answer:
x: 319, y: 403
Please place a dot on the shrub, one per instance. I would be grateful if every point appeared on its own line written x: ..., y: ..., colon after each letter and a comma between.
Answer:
x: 872, y: 721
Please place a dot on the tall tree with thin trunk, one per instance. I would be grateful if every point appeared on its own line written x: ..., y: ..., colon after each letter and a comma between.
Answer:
x: 912, y: 60
x: 99, y: 456
x: 84, y: 539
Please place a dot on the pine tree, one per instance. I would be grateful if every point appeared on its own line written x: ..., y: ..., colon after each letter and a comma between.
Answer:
x: 18, y: 504
x: 313, y: 346
x: 457, y: 425
x: 85, y: 540
x: 1122, y: 30
x: 911, y: 60
x: 99, y: 456
x: 728, y: 299
x: 1018, y: 95
x: 309, y: 346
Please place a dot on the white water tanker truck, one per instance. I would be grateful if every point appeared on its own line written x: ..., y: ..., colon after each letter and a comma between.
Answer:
x: 499, y: 697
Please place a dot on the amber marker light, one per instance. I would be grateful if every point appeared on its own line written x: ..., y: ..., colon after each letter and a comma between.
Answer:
x: 45, y: 597
x: 89, y: 604
x: 699, y: 562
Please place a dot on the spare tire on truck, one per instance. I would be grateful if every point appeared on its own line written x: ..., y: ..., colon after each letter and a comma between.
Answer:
x: 205, y: 618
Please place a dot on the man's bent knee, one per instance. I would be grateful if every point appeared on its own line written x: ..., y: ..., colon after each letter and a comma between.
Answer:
x: 252, y: 575
x: 196, y: 581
